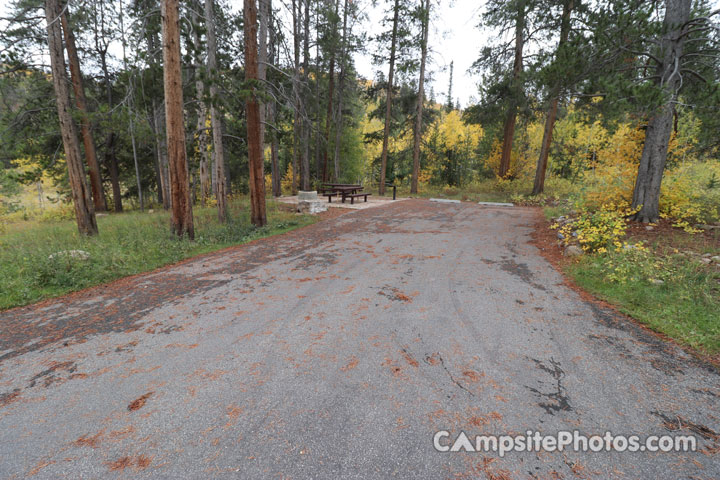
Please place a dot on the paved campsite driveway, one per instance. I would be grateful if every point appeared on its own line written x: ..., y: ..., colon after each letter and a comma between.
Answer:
x: 336, y: 351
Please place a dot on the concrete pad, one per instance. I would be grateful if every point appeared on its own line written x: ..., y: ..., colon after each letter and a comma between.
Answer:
x: 373, y: 201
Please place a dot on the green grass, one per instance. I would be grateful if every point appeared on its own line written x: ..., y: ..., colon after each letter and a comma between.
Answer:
x: 492, y: 190
x: 128, y: 243
x: 685, y: 307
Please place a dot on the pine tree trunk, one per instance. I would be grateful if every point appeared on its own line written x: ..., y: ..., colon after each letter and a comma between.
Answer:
x: 262, y: 62
x: 215, y: 116
x: 252, y: 107
x: 646, y: 195
x: 98, y: 194
x: 307, y: 126
x: 201, y: 128
x: 157, y: 127
x: 161, y: 148
x: 112, y: 166
x: 274, y: 153
x: 84, y: 210
x: 331, y: 93
x: 319, y: 173
x: 417, y: 134
x: 276, y: 174
x: 182, y: 218
x: 509, y: 128
x: 539, y: 184
x: 341, y: 90
x: 297, y: 124
x: 388, y: 100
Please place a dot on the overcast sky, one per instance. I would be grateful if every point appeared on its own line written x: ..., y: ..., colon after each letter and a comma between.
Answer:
x: 454, y: 36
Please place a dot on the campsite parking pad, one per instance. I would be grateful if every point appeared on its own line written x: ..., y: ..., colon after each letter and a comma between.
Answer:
x: 337, y: 351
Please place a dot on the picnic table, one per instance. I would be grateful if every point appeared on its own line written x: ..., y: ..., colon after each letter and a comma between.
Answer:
x: 343, y: 190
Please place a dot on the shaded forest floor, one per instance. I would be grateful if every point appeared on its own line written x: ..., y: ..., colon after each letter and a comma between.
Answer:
x: 37, y: 259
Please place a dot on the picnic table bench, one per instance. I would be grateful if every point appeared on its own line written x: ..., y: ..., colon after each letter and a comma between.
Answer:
x: 353, y: 196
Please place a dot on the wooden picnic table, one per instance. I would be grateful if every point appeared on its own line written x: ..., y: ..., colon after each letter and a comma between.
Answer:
x: 343, y: 190
x: 333, y: 186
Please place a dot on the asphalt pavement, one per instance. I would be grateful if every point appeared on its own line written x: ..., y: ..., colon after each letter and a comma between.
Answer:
x: 338, y: 351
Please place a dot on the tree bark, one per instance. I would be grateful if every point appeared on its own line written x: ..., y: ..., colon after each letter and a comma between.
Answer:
x: 131, y: 125
x: 319, y: 173
x: 157, y: 127
x: 341, y: 89
x: 181, y: 218
x: 417, y: 134
x: 509, y: 128
x: 331, y: 93
x: 388, y: 99
x: 112, y: 166
x: 539, y: 184
x: 646, y: 195
x: 272, y: 113
x: 262, y: 61
x: 161, y: 147
x: 297, y: 125
x: 98, y: 194
x: 305, y: 164
x: 201, y: 127
x: 215, y: 116
x: 84, y: 210
x: 252, y: 107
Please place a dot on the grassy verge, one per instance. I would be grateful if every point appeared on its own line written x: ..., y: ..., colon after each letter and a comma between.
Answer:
x: 128, y: 243
x: 491, y: 190
x: 675, y: 294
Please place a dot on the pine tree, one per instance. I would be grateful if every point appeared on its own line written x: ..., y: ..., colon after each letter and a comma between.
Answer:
x: 424, y: 14
x: 84, y: 210
x: 182, y: 218
x: 252, y: 108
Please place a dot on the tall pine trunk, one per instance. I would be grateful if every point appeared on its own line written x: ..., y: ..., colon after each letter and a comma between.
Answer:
x: 82, y: 203
x: 202, y: 114
x: 130, y: 102
x: 297, y: 125
x: 272, y: 113
x: 417, y: 134
x: 341, y: 90
x: 646, y: 195
x: 112, y: 166
x: 331, y: 93
x: 215, y: 115
x: 388, y: 99
x: 262, y: 62
x: 510, y: 119
x: 161, y: 148
x: 539, y: 185
x: 182, y: 218
x: 98, y: 194
x: 252, y: 108
x: 157, y: 127
x: 307, y: 126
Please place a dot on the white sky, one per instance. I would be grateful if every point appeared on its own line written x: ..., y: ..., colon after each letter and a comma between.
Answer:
x: 454, y: 36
